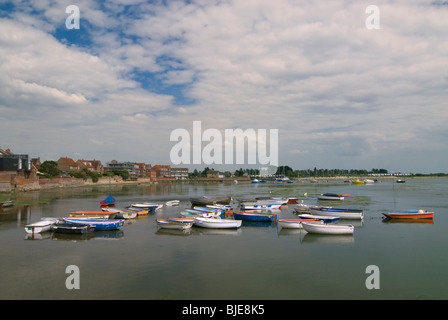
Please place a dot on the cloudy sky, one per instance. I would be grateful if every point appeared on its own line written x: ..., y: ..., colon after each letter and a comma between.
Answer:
x: 340, y: 94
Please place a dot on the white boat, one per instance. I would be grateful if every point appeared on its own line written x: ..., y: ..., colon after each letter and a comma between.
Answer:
x: 40, y: 226
x: 151, y: 207
x: 205, y: 214
x: 325, y: 219
x: 217, y: 223
x: 295, y: 223
x: 182, y: 219
x: 338, y: 212
x: 172, y: 203
x: 122, y: 214
x: 261, y: 205
x: 331, y: 228
x: 302, y: 207
x: 169, y: 224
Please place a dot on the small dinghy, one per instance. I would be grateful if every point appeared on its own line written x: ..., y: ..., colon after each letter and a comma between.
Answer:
x: 172, y: 203
x: 325, y: 219
x: 295, y: 223
x: 99, y: 224
x: 252, y: 216
x: 338, y: 212
x: 331, y: 228
x: 332, y: 196
x: 169, y: 224
x: 40, y: 226
x: 216, y: 223
x: 420, y: 214
x: 71, y: 228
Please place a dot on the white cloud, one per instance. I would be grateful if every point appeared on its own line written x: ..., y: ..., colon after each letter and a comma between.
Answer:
x: 310, y: 69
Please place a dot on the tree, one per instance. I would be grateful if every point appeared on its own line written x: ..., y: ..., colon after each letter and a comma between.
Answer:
x: 50, y: 169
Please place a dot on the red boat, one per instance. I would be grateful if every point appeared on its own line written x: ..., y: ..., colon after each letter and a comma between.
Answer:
x: 420, y: 214
x: 109, y: 201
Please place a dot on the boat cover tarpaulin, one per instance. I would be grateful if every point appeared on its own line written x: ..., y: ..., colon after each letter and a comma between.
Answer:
x: 109, y: 199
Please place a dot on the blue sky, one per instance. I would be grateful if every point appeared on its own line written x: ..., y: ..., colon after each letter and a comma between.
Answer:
x: 341, y: 96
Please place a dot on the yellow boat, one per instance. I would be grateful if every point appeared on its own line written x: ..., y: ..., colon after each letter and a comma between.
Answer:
x: 357, y: 181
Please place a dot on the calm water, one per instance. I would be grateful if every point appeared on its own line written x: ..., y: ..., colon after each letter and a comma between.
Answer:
x: 258, y: 261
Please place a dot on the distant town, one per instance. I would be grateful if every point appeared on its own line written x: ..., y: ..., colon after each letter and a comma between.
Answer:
x: 20, y: 172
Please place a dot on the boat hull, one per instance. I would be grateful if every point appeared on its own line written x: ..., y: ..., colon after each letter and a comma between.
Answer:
x: 217, y: 223
x: 93, y: 214
x: 328, y: 228
x: 168, y: 224
x: 71, y: 228
x: 248, y: 216
x: 340, y: 213
x: 99, y: 224
x: 40, y: 226
x: 410, y: 215
x: 325, y: 219
x: 295, y: 223
x: 265, y: 205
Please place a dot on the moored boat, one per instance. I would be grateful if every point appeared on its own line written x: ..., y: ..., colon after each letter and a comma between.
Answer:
x: 258, y: 205
x: 8, y: 203
x: 92, y: 214
x: 252, y: 216
x: 332, y: 196
x: 205, y: 214
x: 122, y: 214
x: 217, y: 223
x: 420, y: 214
x: 172, y: 203
x: 295, y: 223
x: 71, y: 228
x: 325, y: 219
x: 99, y: 224
x: 149, y: 206
x: 169, y: 224
x: 40, y: 226
x: 338, y: 212
x: 182, y: 219
x: 109, y: 201
x: 331, y: 228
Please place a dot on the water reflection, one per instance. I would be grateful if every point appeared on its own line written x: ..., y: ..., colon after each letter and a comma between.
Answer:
x: 327, y: 238
x: 97, y: 235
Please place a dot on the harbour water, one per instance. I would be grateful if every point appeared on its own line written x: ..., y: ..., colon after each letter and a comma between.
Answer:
x: 257, y: 261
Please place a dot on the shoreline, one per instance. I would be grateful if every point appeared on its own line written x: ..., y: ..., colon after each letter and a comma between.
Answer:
x: 78, y: 182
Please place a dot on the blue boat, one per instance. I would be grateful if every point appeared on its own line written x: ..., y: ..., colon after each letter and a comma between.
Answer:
x: 109, y: 201
x: 99, y: 224
x: 252, y: 216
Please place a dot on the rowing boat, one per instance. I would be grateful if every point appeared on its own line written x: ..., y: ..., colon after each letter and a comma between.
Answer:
x: 122, y: 214
x: 93, y: 214
x: 332, y: 196
x: 182, y: 219
x: 295, y: 223
x: 328, y: 228
x: 338, y: 212
x: 251, y: 216
x: 169, y: 224
x: 261, y: 205
x: 172, y: 203
x: 99, y: 224
x: 216, y: 223
x: 71, y: 228
x: 420, y: 214
x: 325, y: 219
x: 40, y: 226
